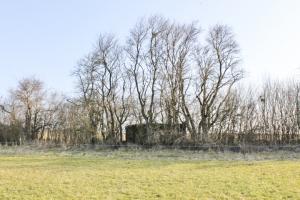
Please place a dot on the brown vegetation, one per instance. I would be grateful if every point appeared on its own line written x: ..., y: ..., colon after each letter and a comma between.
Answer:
x: 165, y: 73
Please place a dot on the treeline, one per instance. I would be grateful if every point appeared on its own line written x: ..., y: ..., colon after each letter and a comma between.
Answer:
x: 165, y: 73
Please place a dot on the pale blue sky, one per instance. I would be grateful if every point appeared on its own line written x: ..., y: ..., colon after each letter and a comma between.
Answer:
x: 46, y: 38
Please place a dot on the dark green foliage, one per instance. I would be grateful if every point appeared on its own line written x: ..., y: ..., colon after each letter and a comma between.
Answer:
x: 10, y: 134
x: 157, y: 133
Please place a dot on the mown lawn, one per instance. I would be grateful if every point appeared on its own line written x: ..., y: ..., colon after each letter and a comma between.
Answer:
x: 101, y: 177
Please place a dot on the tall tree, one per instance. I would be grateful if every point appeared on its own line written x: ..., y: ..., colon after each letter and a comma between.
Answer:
x: 218, y: 65
x: 30, y: 95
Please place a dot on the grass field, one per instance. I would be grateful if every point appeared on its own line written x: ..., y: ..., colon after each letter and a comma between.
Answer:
x: 146, y: 175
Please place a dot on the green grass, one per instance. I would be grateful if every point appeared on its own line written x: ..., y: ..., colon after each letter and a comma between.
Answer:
x: 125, y: 175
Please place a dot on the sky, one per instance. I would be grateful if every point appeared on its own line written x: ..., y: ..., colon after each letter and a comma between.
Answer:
x: 45, y: 39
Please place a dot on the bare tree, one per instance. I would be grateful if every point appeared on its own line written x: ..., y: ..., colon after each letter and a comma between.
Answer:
x: 30, y: 95
x: 102, y: 84
x: 218, y: 64
x: 144, y: 53
x: 164, y: 75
